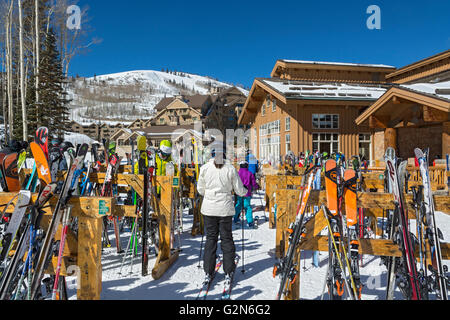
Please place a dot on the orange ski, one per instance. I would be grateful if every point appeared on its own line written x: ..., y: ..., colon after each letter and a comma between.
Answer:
x: 331, y: 186
x: 41, y: 163
x: 350, y: 197
x: 11, y: 172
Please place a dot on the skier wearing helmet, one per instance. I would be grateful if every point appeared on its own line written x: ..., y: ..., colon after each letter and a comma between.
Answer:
x: 163, y: 158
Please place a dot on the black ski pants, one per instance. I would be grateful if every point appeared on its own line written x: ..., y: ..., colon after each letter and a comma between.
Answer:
x: 216, y: 226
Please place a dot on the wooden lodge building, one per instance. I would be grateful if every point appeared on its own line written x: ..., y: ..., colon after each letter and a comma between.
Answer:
x: 350, y: 108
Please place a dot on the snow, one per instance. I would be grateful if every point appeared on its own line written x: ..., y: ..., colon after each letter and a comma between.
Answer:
x: 159, y: 80
x: 183, y: 279
x: 132, y: 95
x: 76, y: 138
x: 431, y: 88
x: 319, y: 90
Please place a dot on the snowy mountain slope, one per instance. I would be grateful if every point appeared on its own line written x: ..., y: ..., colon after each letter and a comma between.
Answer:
x: 127, y: 96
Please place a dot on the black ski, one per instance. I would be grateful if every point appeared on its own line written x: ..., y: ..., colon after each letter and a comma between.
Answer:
x: 63, y: 198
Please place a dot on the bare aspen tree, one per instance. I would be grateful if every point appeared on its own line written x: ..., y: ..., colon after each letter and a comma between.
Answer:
x: 22, y: 74
x: 37, y: 51
x: 71, y: 41
x: 9, y: 69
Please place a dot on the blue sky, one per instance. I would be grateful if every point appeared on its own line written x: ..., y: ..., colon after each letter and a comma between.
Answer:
x: 236, y: 41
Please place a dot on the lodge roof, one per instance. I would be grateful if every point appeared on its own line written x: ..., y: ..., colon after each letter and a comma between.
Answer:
x: 419, y: 64
x: 440, y: 90
x: 304, y: 90
x: 195, y: 101
x: 338, y: 63
x: 164, y: 103
x: 405, y: 93
x: 164, y: 130
x: 343, y: 66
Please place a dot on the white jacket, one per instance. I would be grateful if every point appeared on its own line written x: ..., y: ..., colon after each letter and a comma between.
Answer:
x: 216, y: 185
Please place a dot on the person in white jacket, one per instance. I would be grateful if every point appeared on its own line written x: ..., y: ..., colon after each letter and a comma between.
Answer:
x: 217, y: 180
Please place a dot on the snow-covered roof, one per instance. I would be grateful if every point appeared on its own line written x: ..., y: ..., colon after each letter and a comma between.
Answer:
x: 440, y: 89
x: 338, y: 63
x: 325, y: 91
x: 245, y: 92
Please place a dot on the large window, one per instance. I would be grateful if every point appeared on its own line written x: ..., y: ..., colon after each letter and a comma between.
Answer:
x: 365, y: 145
x: 288, y: 143
x: 288, y: 124
x: 269, y: 128
x: 326, y: 142
x: 269, y: 141
x: 325, y: 121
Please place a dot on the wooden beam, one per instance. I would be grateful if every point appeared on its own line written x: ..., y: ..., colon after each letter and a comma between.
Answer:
x: 124, y: 211
x: 374, y: 247
x: 93, y: 207
x: 434, y: 115
x: 378, y: 121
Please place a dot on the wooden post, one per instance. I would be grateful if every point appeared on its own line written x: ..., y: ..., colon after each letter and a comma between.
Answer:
x: 89, y: 258
x: 445, y: 139
x: 165, y: 256
x: 390, y: 138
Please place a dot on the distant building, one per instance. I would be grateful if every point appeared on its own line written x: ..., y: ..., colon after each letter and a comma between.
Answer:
x: 219, y: 111
x: 350, y: 108
x: 225, y: 110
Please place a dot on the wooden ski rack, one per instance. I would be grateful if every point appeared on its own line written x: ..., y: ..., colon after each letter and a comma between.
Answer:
x: 84, y: 250
x: 166, y: 256
x: 372, y: 180
x: 283, y: 192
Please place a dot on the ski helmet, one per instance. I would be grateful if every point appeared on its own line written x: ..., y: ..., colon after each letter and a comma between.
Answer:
x: 66, y: 145
x: 166, y: 148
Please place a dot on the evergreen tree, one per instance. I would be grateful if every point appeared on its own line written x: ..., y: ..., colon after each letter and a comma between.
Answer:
x: 53, y: 111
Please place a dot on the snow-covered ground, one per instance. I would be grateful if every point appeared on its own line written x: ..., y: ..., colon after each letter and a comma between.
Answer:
x: 182, y: 280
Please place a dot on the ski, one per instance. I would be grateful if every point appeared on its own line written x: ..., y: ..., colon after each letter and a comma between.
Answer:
x: 56, y: 219
x: 335, y: 279
x: 286, y: 265
x: 206, y: 285
x: 65, y: 228
x: 41, y: 139
x: 11, y: 172
x: 28, y: 232
x: 41, y: 162
x: 14, y: 223
x: 392, y: 217
x: 113, y: 165
x: 228, y: 284
x: 432, y: 231
x: 407, y: 278
x: 148, y: 196
x: 351, y: 212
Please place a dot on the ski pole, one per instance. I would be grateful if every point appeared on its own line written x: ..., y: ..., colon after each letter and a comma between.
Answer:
x: 66, y: 218
x: 201, y: 243
x: 242, y: 224
x: 128, y: 247
x: 325, y: 282
x: 133, y: 251
x: 26, y: 265
x: 325, y: 211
